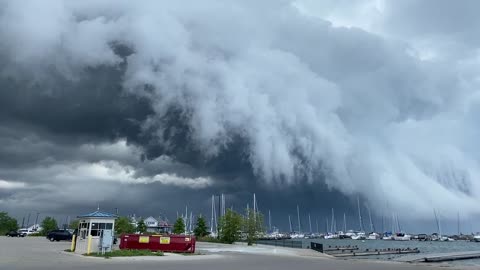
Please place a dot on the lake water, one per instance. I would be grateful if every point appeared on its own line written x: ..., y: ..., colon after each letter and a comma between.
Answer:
x: 429, y: 247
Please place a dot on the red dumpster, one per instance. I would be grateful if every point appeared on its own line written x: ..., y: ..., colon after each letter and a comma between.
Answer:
x: 167, y: 243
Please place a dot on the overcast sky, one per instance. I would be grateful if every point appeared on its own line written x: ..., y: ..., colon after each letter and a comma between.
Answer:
x: 148, y: 106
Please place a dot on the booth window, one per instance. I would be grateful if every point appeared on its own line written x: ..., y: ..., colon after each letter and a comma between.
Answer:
x: 97, y: 228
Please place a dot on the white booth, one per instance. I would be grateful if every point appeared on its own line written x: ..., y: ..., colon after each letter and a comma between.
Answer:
x: 95, y: 232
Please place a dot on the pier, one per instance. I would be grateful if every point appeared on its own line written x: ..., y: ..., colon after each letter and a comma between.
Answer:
x: 377, y: 252
x: 340, y: 249
x: 444, y: 257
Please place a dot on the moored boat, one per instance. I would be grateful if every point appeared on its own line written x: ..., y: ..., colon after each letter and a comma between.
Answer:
x: 359, y: 236
x: 476, y: 238
x: 402, y: 237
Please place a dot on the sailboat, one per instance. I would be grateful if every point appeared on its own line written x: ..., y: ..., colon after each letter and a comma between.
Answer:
x: 333, y: 228
x: 343, y: 234
x: 389, y: 235
x: 297, y: 235
x: 373, y: 235
x: 439, y: 227
x: 361, y: 234
x: 400, y: 236
x: 213, y: 221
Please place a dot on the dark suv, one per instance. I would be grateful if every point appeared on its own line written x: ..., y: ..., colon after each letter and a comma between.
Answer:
x: 58, y: 235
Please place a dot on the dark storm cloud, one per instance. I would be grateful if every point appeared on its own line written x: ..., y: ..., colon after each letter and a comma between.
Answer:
x: 160, y: 104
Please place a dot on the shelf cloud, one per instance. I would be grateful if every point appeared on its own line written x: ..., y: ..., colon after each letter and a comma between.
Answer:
x: 368, y: 100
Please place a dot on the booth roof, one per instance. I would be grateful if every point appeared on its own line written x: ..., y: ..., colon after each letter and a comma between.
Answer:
x: 98, y: 214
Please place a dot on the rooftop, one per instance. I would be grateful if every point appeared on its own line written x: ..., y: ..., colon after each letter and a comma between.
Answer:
x: 98, y: 214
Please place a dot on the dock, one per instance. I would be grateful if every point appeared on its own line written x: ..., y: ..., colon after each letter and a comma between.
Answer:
x: 445, y: 257
x: 376, y: 252
x: 340, y: 249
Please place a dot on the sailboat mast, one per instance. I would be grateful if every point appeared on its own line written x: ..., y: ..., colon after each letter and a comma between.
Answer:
x: 332, y: 229
x: 439, y: 225
x: 370, y: 217
x: 213, y: 210
x: 191, y: 222
x: 290, y: 223
x: 458, y: 222
x: 186, y: 218
x: 316, y: 221
x: 298, y: 217
x: 254, y: 208
x: 393, y: 223
x: 344, y: 223
x: 310, y: 223
x: 398, y: 224
x: 383, y: 223
x: 327, y: 226
x: 359, y: 214
x: 269, y: 221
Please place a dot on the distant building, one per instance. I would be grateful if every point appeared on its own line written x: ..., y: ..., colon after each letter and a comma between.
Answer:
x: 157, y: 226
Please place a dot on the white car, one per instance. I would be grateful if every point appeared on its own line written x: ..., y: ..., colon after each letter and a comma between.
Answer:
x: 26, y: 232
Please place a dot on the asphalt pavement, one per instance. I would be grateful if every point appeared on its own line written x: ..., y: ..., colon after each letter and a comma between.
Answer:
x: 37, y: 253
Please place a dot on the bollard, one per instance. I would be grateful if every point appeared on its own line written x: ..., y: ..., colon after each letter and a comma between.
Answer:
x: 72, y: 247
x: 89, y: 244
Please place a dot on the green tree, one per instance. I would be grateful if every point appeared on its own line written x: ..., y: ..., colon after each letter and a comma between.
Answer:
x: 7, y: 223
x: 179, y: 226
x: 123, y: 225
x: 253, y: 226
x: 74, y: 224
x: 48, y: 224
x: 230, y: 226
x: 201, y: 227
x: 141, y: 227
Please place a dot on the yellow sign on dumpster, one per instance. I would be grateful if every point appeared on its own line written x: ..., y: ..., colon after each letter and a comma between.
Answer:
x: 144, y: 239
x: 165, y: 240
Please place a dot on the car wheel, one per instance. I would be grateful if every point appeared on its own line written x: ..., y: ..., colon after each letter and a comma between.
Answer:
x: 52, y: 239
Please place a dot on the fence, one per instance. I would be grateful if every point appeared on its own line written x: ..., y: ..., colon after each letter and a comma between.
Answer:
x: 281, y: 243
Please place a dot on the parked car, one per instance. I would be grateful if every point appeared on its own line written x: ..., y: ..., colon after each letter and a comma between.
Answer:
x: 15, y: 234
x: 58, y: 235
x: 26, y: 232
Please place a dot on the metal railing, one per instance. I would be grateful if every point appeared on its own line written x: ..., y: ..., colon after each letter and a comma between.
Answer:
x: 281, y: 243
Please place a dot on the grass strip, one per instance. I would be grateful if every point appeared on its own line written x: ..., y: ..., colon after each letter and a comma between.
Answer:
x: 127, y: 253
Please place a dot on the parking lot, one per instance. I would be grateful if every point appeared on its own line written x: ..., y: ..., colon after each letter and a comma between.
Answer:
x: 40, y: 254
